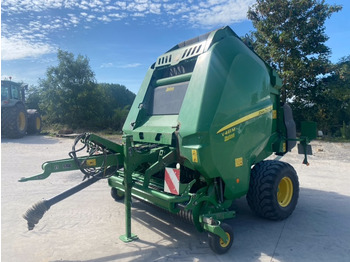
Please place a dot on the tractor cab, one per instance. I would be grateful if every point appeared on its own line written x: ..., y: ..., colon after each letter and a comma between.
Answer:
x: 12, y: 92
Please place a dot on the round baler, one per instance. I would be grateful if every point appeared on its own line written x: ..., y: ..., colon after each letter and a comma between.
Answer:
x: 206, y: 117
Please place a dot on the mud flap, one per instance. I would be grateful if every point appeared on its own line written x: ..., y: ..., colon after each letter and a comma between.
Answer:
x: 290, y: 127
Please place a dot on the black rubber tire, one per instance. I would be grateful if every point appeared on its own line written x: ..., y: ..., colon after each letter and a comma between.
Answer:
x: 34, y: 122
x: 14, y: 121
x: 268, y: 196
x: 215, y: 242
x: 117, y: 194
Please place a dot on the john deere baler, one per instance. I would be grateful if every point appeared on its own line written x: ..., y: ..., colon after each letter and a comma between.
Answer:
x: 206, y: 116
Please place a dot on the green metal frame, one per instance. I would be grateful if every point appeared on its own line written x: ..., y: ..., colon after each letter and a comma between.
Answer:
x: 69, y: 164
x: 135, y: 184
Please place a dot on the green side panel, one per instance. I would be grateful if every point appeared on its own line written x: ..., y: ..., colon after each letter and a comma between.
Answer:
x: 157, y: 129
x: 137, y: 113
x: 227, y: 114
x: 143, y: 125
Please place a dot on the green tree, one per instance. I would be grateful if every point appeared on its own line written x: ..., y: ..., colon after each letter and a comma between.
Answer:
x: 33, y: 97
x: 69, y: 93
x: 290, y: 35
x: 332, y: 102
x: 117, y: 100
x: 115, y: 96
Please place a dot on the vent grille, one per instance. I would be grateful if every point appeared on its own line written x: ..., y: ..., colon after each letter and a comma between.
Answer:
x: 191, y: 51
x: 174, y: 57
x: 163, y: 60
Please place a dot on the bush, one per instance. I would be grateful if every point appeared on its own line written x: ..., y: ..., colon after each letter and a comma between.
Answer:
x: 345, y: 131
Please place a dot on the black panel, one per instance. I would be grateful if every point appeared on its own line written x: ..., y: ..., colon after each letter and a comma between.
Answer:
x: 167, y: 100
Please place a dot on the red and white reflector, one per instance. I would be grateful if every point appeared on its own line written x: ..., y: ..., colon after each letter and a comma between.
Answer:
x: 172, y: 180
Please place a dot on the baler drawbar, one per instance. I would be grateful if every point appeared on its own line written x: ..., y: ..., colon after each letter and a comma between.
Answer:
x: 206, y: 117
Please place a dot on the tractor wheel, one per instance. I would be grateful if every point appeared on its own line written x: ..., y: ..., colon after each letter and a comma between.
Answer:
x: 14, y: 121
x: 34, y: 121
x: 117, y: 194
x: 273, y: 190
x: 217, y: 244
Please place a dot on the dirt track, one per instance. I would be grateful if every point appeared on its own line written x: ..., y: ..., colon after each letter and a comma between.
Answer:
x: 87, y: 226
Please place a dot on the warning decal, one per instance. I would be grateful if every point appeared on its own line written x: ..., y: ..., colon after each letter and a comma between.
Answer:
x: 172, y: 180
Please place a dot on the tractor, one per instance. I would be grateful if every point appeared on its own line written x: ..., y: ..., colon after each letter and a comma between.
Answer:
x: 16, y: 120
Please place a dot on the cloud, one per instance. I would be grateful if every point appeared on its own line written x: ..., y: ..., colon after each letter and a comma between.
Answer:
x: 220, y: 12
x: 208, y: 12
x: 21, y: 6
x: 32, y: 24
x: 106, y: 65
x: 118, y: 16
x: 13, y: 48
x: 132, y: 65
x: 110, y: 65
x: 73, y: 19
x: 104, y: 18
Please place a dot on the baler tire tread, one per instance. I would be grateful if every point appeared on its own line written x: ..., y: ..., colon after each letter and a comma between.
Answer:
x: 215, y: 242
x: 117, y: 195
x: 263, y: 188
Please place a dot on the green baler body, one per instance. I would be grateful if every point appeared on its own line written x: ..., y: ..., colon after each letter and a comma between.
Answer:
x: 207, y: 111
x: 215, y: 101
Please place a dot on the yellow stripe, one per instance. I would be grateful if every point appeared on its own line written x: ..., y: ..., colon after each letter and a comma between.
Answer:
x: 246, y: 118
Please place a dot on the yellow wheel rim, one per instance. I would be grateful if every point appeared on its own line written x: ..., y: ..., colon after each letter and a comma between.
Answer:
x: 285, y: 192
x: 225, y: 244
x: 37, y: 123
x: 21, y: 121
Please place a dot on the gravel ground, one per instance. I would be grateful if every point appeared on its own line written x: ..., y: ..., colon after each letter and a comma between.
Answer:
x: 87, y: 226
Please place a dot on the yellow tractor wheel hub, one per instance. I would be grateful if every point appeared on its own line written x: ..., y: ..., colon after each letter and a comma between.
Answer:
x: 285, y: 192
x: 21, y: 121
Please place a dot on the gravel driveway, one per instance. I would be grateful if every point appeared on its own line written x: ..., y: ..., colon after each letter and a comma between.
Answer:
x: 87, y: 226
